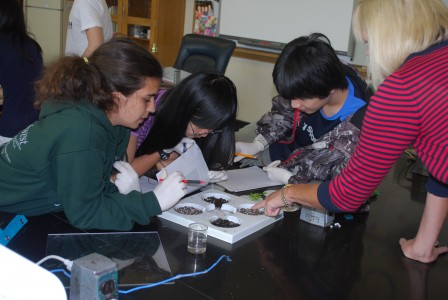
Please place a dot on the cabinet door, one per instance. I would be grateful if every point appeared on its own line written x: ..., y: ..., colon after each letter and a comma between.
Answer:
x: 168, y: 30
x: 158, y: 25
x: 132, y: 18
x: 137, y: 20
x: 115, y: 13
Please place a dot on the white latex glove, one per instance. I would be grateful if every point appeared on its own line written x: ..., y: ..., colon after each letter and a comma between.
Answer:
x: 277, y: 174
x: 127, y: 179
x: 248, y: 148
x: 217, y: 176
x: 182, y: 146
x: 170, y: 190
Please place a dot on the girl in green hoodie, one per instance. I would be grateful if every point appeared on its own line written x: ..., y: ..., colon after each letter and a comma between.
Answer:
x: 65, y: 160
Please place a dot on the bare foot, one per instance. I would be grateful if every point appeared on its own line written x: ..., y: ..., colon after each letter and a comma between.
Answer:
x: 410, y: 250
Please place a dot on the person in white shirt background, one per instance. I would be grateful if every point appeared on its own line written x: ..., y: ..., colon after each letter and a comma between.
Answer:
x: 89, y: 25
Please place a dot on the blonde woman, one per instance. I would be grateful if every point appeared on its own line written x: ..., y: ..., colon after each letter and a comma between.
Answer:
x: 408, y: 63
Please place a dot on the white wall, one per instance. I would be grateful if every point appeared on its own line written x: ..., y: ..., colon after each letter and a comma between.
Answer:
x: 282, y: 21
x: 253, y: 79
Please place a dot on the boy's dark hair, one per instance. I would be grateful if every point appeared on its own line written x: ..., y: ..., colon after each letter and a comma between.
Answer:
x: 308, y: 67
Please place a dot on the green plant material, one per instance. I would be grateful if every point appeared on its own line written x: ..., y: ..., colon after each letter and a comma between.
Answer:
x: 376, y: 193
x: 257, y: 196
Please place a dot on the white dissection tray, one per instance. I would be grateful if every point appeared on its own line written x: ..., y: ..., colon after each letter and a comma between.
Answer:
x: 235, y: 209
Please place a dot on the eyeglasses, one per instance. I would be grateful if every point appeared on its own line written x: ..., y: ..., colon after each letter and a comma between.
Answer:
x: 198, y: 134
x: 216, y: 131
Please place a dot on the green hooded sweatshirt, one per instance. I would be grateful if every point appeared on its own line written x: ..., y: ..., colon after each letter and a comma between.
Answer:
x: 64, y: 161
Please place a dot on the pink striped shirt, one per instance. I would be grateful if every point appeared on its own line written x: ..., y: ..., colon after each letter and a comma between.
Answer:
x: 409, y: 108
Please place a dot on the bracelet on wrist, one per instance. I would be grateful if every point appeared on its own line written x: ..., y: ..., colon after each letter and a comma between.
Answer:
x: 282, y: 193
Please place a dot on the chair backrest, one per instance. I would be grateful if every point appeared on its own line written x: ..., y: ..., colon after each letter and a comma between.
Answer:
x: 202, y: 53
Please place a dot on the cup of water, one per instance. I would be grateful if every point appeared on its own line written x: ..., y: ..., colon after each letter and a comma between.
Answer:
x: 197, y: 238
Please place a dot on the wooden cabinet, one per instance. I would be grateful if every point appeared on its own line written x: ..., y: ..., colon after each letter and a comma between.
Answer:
x: 158, y: 25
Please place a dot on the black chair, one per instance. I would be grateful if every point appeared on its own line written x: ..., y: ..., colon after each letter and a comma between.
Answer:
x: 202, y: 53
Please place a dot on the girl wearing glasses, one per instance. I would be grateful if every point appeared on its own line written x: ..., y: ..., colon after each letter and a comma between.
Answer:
x: 202, y: 107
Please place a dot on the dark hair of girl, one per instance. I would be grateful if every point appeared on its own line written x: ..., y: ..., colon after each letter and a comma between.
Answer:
x: 308, y: 67
x: 119, y: 65
x: 209, y: 101
x: 12, y: 23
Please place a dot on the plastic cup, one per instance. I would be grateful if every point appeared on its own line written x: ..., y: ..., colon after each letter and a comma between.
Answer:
x: 176, y: 78
x: 197, y: 238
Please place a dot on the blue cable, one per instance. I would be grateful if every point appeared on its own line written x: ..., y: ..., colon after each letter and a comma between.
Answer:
x: 175, y: 277
x: 160, y: 282
x: 62, y: 271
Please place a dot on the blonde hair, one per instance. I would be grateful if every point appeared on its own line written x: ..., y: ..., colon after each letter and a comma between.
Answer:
x: 394, y: 29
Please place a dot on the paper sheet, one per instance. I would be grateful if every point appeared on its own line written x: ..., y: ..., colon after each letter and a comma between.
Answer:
x: 193, y: 167
x: 247, y: 179
x: 147, y: 184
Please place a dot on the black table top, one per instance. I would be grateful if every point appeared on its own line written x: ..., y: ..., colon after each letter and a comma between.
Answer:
x: 292, y: 259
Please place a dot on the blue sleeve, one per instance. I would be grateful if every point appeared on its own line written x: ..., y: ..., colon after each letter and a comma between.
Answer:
x: 324, y: 198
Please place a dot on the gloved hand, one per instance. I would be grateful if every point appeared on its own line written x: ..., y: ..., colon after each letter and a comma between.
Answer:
x: 217, y: 176
x: 182, y: 146
x: 277, y: 174
x: 253, y: 148
x: 170, y: 191
x: 127, y: 179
